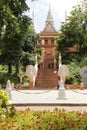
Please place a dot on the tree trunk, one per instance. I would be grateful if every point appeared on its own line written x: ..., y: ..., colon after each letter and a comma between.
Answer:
x: 9, y: 68
x: 17, y: 68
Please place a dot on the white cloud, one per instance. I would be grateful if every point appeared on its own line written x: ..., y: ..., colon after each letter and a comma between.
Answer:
x: 58, y: 9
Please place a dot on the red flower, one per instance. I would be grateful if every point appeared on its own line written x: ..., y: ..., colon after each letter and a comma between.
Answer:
x: 51, y: 113
x: 54, y: 126
x: 67, y: 122
x: 73, y: 124
x: 1, y: 120
x: 10, y: 127
x: 63, y: 128
x: 50, y: 128
x: 40, y: 127
x: 1, y: 127
x: 79, y: 126
x: 38, y: 115
x: 59, y: 114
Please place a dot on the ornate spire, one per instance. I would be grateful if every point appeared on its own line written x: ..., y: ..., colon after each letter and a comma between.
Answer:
x: 33, y: 16
x: 49, y: 16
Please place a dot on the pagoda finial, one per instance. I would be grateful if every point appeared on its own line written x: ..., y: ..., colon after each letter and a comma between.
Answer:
x: 49, y: 16
x: 49, y: 7
x: 65, y: 15
x: 33, y: 16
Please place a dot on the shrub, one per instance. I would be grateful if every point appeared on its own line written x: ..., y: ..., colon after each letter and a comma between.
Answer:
x: 45, y: 120
x: 74, y: 68
x: 4, y: 99
x: 74, y: 73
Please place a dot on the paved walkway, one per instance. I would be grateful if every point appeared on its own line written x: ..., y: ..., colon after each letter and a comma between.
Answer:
x: 49, y: 99
x: 72, y: 97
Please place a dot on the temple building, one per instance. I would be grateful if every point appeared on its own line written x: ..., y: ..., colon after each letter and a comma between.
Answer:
x: 47, y: 74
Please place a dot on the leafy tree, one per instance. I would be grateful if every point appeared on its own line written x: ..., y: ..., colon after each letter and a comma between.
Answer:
x: 14, y: 38
x: 74, y: 29
x: 29, y: 48
x: 74, y: 68
x: 74, y: 34
x: 7, y: 16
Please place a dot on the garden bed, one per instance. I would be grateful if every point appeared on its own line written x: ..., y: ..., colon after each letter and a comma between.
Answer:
x: 43, y: 120
x: 73, y: 86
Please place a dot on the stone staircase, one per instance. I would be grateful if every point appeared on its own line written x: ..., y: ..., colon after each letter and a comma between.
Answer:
x: 47, y: 78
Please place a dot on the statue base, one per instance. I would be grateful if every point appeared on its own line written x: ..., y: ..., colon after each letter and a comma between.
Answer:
x: 61, y: 93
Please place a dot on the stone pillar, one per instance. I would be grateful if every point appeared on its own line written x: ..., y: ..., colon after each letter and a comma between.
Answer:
x: 61, y: 93
x: 55, y: 42
x: 42, y: 42
x: 54, y: 63
x: 49, y: 41
x: 9, y: 88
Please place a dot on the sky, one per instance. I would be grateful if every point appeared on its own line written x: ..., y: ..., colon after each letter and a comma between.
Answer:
x: 39, y: 10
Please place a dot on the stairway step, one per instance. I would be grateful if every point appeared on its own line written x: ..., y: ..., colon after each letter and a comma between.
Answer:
x: 46, y: 77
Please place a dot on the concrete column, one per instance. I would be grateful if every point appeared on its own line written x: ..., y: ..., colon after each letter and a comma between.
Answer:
x: 49, y: 41
x: 42, y: 41
x: 55, y: 42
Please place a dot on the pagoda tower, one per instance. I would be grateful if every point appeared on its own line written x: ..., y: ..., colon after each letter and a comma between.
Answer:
x: 47, y: 75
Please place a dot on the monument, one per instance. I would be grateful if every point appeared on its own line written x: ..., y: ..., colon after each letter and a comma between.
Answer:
x: 31, y: 73
x: 63, y: 72
x: 47, y: 75
x: 83, y: 74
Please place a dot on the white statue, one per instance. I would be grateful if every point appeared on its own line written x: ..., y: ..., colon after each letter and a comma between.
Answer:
x: 9, y: 88
x: 63, y: 72
x: 31, y: 72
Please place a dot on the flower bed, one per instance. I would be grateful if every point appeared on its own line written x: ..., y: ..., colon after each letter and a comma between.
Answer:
x: 73, y: 86
x: 44, y: 120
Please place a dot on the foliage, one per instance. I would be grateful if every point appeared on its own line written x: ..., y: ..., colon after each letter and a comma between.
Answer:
x: 75, y: 64
x: 13, y: 77
x: 29, y: 48
x: 15, y: 30
x: 74, y: 76
x: 4, y: 99
x: 45, y: 120
x: 74, y: 29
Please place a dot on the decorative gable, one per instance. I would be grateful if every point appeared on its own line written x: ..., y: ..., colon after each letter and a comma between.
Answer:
x: 49, y: 27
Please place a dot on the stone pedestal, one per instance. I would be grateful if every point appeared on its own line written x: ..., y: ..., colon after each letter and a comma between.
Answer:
x: 61, y: 92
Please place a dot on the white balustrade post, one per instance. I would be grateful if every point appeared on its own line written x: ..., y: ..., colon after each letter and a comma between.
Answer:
x: 9, y: 88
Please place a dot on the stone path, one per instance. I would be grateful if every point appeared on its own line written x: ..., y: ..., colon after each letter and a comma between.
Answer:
x: 51, y: 108
x: 49, y: 99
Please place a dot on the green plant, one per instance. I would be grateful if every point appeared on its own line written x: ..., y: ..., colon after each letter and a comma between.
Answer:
x: 74, y: 73
x: 45, y: 120
x: 4, y: 99
x: 75, y: 65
